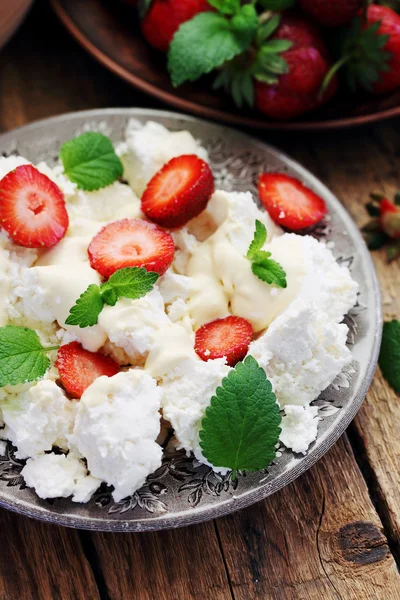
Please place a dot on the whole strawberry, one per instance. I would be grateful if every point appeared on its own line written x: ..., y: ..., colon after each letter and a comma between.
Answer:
x: 164, y: 17
x: 298, y: 89
x: 332, y: 14
x: 384, y: 228
x: 370, y: 51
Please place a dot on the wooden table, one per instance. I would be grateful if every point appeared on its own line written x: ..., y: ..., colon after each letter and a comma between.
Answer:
x: 335, y: 532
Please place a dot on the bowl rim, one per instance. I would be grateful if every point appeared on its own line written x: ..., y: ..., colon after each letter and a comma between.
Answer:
x: 232, y: 504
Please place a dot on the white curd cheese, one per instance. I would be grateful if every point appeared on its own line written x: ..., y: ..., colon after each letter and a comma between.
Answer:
x: 116, y: 426
x: 60, y: 476
x: 149, y: 147
x: 38, y: 419
x: 134, y: 325
x: 302, y: 353
x: 186, y: 393
x: 9, y: 163
x: 299, y: 427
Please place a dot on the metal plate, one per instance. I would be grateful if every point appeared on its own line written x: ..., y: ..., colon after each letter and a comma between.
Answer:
x: 182, y: 492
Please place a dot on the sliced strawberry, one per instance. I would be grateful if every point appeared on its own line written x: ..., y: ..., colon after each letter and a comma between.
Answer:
x: 32, y: 208
x: 131, y: 243
x: 179, y: 191
x: 229, y: 337
x: 289, y: 202
x: 390, y: 218
x: 78, y: 368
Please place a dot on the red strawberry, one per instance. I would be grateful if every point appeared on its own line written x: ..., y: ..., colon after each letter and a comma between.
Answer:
x: 289, y: 202
x: 78, y: 368
x: 165, y: 16
x: 390, y: 218
x: 371, y: 51
x: 229, y: 337
x: 298, y: 90
x: 331, y: 13
x: 32, y: 208
x: 131, y: 243
x: 179, y: 191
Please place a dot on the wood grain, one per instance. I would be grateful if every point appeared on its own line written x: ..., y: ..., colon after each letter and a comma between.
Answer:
x: 167, y: 565
x: 319, y: 537
x: 39, y: 561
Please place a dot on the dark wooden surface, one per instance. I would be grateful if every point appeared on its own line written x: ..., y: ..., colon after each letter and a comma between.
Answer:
x: 332, y: 534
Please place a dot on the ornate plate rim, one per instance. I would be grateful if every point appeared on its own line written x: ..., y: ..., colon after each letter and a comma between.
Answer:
x: 204, y: 513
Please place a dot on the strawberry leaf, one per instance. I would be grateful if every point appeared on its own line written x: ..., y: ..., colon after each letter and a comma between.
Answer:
x: 242, y: 424
x: 209, y: 40
x: 225, y: 7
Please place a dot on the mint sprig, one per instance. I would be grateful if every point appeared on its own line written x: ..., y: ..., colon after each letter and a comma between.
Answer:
x: 209, y: 40
x: 389, y: 358
x: 242, y: 424
x: 22, y: 356
x: 131, y: 282
x: 264, y: 267
x: 90, y: 161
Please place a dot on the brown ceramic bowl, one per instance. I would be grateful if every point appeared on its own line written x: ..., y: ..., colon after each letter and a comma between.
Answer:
x: 11, y: 16
x: 109, y: 30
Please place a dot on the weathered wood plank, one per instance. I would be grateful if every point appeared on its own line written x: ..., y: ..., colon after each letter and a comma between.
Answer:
x: 40, y: 561
x: 167, y: 565
x: 319, y: 537
x: 353, y: 165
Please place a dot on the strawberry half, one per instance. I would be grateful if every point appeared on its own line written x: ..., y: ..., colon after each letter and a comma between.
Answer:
x: 179, y: 191
x: 131, y: 243
x: 229, y: 337
x: 78, y: 368
x: 289, y: 202
x: 32, y: 208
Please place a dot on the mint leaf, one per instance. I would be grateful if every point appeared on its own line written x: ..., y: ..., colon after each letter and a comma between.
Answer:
x: 209, y: 40
x: 260, y: 237
x: 270, y: 271
x: 389, y: 358
x: 131, y: 282
x: 264, y: 267
x: 226, y: 7
x: 242, y: 424
x: 89, y: 305
x: 22, y: 356
x: 90, y: 161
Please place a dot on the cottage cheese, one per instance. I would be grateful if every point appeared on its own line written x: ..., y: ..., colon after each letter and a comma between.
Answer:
x: 186, y: 393
x: 299, y: 427
x: 60, y: 476
x: 116, y: 426
x: 149, y: 147
x: 38, y: 418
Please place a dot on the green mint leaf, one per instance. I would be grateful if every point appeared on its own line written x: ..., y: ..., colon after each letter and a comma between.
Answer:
x: 226, y: 7
x: 90, y: 161
x: 264, y: 267
x: 389, y: 358
x: 89, y: 305
x: 108, y: 294
x: 209, y: 40
x: 132, y: 282
x: 260, y: 237
x: 270, y: 272
x: 22, y: 356
x: 242, y: 424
